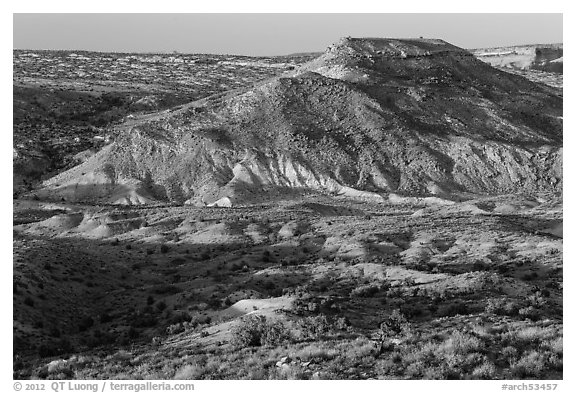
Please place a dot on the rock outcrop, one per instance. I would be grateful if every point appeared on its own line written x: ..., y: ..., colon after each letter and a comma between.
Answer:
x: 549, y: 58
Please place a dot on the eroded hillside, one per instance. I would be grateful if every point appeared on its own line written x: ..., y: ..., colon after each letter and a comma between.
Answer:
x: 367, y: 117
x: 65, y: 102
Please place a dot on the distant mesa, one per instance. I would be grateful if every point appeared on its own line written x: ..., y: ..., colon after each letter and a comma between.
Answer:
x: 369, y: 117
x: 525, y: 57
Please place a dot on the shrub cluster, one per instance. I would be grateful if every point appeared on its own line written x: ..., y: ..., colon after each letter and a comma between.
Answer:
x: 501, y: 307
x: 394, y: 324
x: 366, y: 290
x: 256, y: 330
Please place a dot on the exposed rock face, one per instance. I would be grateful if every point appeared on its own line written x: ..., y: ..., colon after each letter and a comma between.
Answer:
x: 367, y: 117
x: 537, y: 57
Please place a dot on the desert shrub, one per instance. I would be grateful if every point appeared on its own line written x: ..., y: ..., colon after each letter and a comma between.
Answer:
x: 249, y: 332
x: 556, y: 345
x: 300, y: 292
x: 555, y: 362
x: 510, y: 309
x: 164, y: 248
x: 530, y: 365
x: 294, y: 372
x: 316, y: 351
x: 255, y: 330
x: 179, y: 317
x: 394, y: 292
x: 501, y: 307
x: 494, y: 306
x: 530, y: 313
x: 533, y: 336
x: 342, y: 324
x: 462, y: 343
x: 544, y: 293
x: 161, y: 306
x: 175, y: 329
x: 537, y: 300
x: 327, y: 303
x: 314, y: 326
x: 197, y: 320
x: 367, y: 290
x: 390, y: 367
x: 509, y: 354
x: 395, y: 324
x: 276, y: 334
x: 361, y: 350
x: 29, y: 301
x: 60, y: 369
x: 189, y: 371
x: 313, y: 306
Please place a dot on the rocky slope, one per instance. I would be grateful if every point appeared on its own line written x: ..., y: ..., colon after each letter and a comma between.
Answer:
x: 369, y: 116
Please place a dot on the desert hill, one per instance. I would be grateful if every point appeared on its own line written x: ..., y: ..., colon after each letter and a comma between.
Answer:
x: 369, y: 116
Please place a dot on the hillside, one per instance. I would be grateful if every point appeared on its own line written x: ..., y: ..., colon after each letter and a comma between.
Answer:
x: 369, y: 116
x: 65, y: 101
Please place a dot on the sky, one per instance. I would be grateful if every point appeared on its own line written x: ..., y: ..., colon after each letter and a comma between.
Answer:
x: 270, y: 34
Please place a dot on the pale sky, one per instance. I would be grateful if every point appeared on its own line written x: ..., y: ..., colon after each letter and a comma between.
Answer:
x: 271, y: 34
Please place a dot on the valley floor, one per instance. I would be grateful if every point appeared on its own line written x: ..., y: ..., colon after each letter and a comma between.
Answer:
x: 317, y: 287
